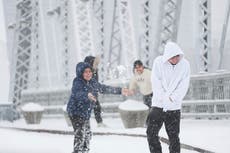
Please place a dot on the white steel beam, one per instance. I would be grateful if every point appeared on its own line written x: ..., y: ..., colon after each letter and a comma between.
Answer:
x: 22, y: 52
x: 98, y: 14
x: 83, y: 14
x: 129, y: 52
x: 145, y: 37
x: 168, y: 22
x: 114, y: 58
x: 223, y: 36
x: 63, y: 20
x: 35, y: 35
x: 204, y: 33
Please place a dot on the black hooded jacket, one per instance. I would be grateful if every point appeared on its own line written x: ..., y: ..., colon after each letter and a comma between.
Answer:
x: 79, y: 104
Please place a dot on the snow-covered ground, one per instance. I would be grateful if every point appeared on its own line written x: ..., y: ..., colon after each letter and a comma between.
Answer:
x: 212, y: 135
x: 27, y: 142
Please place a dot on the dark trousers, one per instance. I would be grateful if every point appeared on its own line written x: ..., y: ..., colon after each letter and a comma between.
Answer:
x: 155, y: 120
x: 82, y: 134
x: 147, y: 99
x: 97, y: 112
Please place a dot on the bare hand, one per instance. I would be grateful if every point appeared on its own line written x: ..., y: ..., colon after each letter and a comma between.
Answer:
x: 91, y: 97
x: 125, y: 91
x: 131, y: 92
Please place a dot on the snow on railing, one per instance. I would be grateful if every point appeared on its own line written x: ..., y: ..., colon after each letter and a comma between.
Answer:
x: 208, y: 96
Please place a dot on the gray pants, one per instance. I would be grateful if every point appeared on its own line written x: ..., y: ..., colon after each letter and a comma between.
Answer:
x: 82, y: 134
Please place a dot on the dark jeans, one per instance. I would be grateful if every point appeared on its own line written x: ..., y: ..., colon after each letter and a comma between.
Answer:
x: 97, y: 112
x: 148, y: 100
x: 155, y: 120
x: 82, y: 134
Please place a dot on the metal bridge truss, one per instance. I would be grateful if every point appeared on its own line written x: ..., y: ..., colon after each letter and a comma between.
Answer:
x: 63, y: 20
x: 98, y: 14
x: 145, y: 42
x: 122, y: 38
x: 168, y: 22
x: 22, y: 52
x: 26, y: 52
x: 35, y: 39
x: 114, y: 57
x: 129, y: 52
x: 204, y: 31
x: 83, y: 13
x: 223, y: 36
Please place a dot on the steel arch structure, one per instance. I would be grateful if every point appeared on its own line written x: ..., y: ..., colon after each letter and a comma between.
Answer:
x: 118, y: 47
x: 168, y: 21
x: 23, y: 49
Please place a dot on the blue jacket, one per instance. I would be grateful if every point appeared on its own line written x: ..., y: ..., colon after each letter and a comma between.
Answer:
x: 79, y: 104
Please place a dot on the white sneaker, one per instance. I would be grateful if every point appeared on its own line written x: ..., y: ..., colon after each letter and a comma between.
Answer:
x: 101, y: 125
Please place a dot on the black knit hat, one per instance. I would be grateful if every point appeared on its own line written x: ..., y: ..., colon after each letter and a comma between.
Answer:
x: 89, y: 60
x: 137, y: 62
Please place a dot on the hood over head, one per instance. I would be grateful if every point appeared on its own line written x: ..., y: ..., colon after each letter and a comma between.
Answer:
x: 172, y: 49
x: 80, y: 68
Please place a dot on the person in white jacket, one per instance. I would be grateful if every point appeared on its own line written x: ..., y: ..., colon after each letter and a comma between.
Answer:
x: 170, y: 81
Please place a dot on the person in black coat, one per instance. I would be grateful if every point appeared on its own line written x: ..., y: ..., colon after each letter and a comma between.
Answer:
x: 93, y: 62
x: 82, y: 100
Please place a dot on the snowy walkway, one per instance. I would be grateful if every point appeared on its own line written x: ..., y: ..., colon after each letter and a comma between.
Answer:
x: 27, y: 142
x: 212, y: 135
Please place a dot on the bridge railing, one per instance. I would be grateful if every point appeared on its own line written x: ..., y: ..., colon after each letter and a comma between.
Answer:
x: 208, y: 96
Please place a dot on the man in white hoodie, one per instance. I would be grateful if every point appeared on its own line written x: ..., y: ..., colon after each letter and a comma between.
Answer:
x: 170, y: 80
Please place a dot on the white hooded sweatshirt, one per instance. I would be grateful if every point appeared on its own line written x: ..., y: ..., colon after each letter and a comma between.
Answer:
x: 170, y: 81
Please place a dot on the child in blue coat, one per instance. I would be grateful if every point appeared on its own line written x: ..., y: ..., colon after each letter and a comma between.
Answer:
x: 85, y: 89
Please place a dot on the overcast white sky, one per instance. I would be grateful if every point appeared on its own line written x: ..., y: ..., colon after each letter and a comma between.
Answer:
x: 4, y: 64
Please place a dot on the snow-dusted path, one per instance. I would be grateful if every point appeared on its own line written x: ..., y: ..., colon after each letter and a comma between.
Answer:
x: 29, y: 142
x: 212, y: 135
